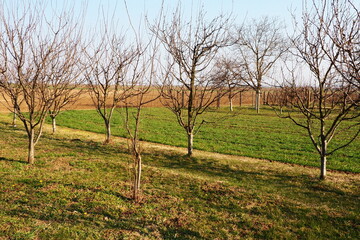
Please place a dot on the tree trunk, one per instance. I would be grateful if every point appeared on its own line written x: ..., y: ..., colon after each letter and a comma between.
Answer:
x: 252, y: 99
x: 230, y: 103
x: 135, y: 190
x: 182, y: 98
x: 137, y: 176
x: 323, y: 160
x: 240, y: 99
x: 31, y: 147
x: 264, y: 98
x: 53, y: 121
x: 267, y: 98
x: 14, y: 119
x: 323, y: 168
x: 308, y: 98
x: 218, y: 102
x: 108, y: 132
x: 139, y: 171
x: 257, y: 100
x: 190, y: 144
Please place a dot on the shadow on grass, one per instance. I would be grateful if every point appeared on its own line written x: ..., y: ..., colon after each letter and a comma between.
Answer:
x: 290, y: 184
x: 12, y: 160
x: 87, y: 146
x: 131, y: 220
x: 6, y: 127
x: 314, y: 185
x: 206, y: 166
x: 99, y: 190
x: 180, y: 233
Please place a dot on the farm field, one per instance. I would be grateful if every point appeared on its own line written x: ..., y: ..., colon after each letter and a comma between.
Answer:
x: 245, y: 134
x: 79, y: 188
x: 85, y: 101
x: 159, y: 120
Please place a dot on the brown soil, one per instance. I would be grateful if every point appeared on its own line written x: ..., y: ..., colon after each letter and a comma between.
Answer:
x: 85, y: 101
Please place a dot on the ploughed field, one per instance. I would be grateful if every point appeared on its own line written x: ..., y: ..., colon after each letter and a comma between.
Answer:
x: 79, y: 188
x: 242, y: 133
x: 85, y: 101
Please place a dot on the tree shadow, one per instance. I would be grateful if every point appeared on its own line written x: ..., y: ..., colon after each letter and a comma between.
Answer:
x: 7, y: 127
x: 130, y: 220
x: 12, y: 160
x: 99, y: 190
x: 180, y: 233
x: 306, y: 185
x: 202, y: 165
x: 86, y: 146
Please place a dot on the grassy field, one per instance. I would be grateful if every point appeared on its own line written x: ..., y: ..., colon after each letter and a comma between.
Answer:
x: 79, y: 189
x: 245, y: 134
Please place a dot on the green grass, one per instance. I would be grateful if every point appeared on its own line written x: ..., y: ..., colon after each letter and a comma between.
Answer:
x: 79, y: 188
x: 246, y: 134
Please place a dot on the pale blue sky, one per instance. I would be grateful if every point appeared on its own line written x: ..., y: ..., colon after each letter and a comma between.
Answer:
x: 115, y: 9
x: 240, y: 9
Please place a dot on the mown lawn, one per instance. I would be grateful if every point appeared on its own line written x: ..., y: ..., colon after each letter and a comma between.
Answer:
x: 79, y: 189
x: 245, y: 134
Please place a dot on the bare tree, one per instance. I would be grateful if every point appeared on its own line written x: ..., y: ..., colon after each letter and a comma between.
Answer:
x: 260, y: 45
x: 32, y: 51
x: 106, y: 74
x: 188, y: 89
x: 329, y: 100
x: 228, y: 73
x: 142, y: 77
x: 72, y: 84
x: 280, y: 98
x: 345, y: 34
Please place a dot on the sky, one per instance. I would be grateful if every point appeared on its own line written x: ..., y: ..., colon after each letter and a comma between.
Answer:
x: 115, y: 11
x: 240, y: 9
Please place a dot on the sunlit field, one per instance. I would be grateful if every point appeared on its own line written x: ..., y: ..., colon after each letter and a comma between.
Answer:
x: 79, y: 188
x: 242, y: 133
